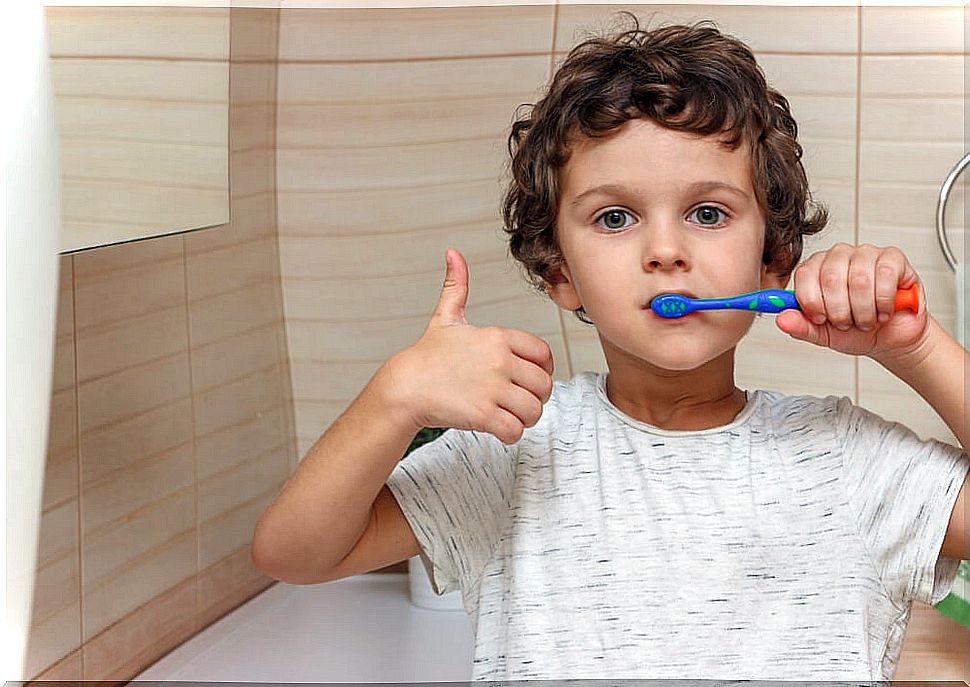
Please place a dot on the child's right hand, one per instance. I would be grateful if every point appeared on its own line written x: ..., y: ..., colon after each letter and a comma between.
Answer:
x: 487, y: 379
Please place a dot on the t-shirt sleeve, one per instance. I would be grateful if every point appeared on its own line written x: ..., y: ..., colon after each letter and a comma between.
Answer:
x: 455, y: 493
x: 902, y: 490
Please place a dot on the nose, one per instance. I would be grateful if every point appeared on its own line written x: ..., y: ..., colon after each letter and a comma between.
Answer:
x: 664, y: 247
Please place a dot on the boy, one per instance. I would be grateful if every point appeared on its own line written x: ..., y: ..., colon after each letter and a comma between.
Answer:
x: 655, y: 521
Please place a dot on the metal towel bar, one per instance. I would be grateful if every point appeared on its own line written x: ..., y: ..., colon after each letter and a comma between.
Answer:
x: 941, y: 209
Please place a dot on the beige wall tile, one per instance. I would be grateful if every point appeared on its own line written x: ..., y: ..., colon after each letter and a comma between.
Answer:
x: 396, y: 210
x: 140, y: 79
x: 811, y: 75
x: 888, y: 396
x: 253, y: 217
x: 230, y: 359
x: 936, y: 647
x: 375, y: 168
x: 233, y: 529
x: 237, y: 484
x: 141, y: 581
x: 230, y: 268
x: 413, y: 33
x: 142, y: 637
x: 52, y: 640
x: 396, y: 296
x: 763, y: 28
x: 60, y: 476
x: 68, y: 669
x: 55, y: 628
x: 414, y: 122
x: 377, y: 82
x: 138, y: 162
x: 254, y: 34
x: 912, y: 29
x: 122, y: 395
x: 124, y: 494
x: 119, y: 445
x: 902, y: 167
x: 139, y: 31
x: 229, y: 313
x: 924, y: 76
x: 226, y: 446
x: 109, y: 550
x: 228, y: 583
x: 907, y: 118
x: 252, y: 126
x: 132, y: 342
x: 414, y: 258
x: 200, y: 123
x: 252, y: 84
x: 235, y: 401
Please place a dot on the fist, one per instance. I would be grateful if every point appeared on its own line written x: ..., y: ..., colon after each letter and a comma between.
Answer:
x: 847, y: 295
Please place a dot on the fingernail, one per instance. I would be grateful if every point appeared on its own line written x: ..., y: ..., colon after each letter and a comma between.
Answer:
x: 818, y: 319
x: 883, y: 316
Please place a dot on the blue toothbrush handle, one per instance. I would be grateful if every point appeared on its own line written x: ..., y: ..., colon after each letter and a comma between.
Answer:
x: 764, y: 300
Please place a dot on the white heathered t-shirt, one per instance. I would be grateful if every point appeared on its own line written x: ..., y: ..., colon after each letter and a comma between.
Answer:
x: 788, y: 544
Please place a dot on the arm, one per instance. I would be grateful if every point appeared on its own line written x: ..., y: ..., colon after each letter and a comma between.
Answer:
x: 334, y: 517
x: 841, y: 290
x: 331, y: 500
x: 937, y: 371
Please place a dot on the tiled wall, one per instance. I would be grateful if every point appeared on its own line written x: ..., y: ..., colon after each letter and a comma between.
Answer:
x: 141, y: 95
x: 389, y: 145
x: 171, y: 425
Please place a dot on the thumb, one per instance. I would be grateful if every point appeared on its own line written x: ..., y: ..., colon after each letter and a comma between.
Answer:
x: 794, y: 323
x: 454, y: 292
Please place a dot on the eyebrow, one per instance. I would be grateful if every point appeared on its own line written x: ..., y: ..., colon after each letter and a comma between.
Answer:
x: 695, y: 187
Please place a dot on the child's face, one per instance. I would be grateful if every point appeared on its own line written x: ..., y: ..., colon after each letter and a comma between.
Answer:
x: 656, y: 232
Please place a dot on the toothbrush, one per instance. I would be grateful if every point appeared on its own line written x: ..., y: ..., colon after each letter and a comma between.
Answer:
x: 765, y: 300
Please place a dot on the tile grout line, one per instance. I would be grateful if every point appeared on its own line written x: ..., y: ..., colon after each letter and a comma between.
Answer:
x: 284, y: 356
x: 858, y: 162
x: 195, y: 450
x: 559, y: 310
x: 80, y: 491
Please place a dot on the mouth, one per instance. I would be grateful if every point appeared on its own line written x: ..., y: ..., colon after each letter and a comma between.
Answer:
x: 682, y: 292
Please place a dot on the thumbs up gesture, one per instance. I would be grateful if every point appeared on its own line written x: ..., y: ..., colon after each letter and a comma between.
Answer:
x: 488, y: 379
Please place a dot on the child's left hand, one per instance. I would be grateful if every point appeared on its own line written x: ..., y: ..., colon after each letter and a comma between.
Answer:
x: 844, y: 293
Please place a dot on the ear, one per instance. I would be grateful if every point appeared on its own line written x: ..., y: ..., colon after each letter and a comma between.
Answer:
x: 772, y: 280
x: 561, y: 290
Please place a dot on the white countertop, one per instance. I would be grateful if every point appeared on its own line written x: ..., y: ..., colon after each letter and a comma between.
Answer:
x: 358, y: 629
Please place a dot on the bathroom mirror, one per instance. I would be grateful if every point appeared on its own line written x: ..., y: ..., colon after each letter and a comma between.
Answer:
x: 142, y: 111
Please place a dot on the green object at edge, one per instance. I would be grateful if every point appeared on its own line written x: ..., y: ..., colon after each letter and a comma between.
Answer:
x: 956, y: 604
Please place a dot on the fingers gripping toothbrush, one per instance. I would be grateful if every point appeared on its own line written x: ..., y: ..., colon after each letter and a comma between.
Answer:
x: 764, y: 300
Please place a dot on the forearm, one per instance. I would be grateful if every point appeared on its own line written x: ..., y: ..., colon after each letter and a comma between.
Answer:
x: 937, y: 371
x: 324, y: 507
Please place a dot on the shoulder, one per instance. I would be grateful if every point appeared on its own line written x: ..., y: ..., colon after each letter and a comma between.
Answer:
x: 799, y: 412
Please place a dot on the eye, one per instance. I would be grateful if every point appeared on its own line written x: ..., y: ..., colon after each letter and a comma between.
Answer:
x: 708, y: 212
x: 613, y: 219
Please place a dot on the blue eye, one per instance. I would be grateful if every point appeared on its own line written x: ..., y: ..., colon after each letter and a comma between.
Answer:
x: 611, y: 216
x: 708, y: 212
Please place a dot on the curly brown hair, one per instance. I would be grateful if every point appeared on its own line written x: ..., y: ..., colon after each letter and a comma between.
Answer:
x: 685, y: 77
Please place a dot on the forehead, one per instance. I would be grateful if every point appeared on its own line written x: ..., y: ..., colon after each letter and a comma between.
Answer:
x: 641, y: 152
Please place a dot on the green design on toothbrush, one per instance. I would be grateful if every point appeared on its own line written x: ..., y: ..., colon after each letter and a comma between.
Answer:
x: 752, y: 304
x: 777, y: 301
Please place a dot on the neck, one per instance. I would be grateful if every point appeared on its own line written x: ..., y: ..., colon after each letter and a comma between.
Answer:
x: 702, y: 398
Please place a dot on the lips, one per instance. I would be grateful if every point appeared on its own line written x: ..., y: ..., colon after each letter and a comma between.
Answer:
x: 682, y: 292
